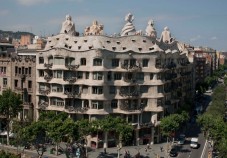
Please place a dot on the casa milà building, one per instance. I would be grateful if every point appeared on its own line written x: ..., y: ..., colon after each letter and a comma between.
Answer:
x: 134, y: 75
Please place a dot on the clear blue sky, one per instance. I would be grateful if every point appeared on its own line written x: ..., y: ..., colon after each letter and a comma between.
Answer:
x: 197, y: 22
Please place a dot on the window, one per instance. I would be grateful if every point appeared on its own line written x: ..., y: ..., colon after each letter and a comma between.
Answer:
x: 85, y: 89
x: 87, y: 75
x: 159, y: 76
x: 112, y: 90
x: 41, y: 73
x: 160, y: 89
x: 15, y: 83
x: 97, y: 90
x: 129, y: 76
x: 50, y: 60
x: 97, y: 62
x: 29, y: 84
x: 58, y: 74
x: 4, y: 82
x: 109, y: 76
x: 29, y: 70
x: 83, y: 61
x: 2, y: 70
x: 19, y: 70
x: 69, y: 61
x: 151, y: 76
x: 115, y: 62
x: 158, y: 62
x: 144, y: 89
x: 145, y: 62
x: 117, y: 76
x: 140, y: 76
x: 16, y: 69
x: 29, y: 98
x: 26, y: 70
x: 57, y: 88
x: 59, y: 61
x: 79, y: 74
x: 143, y: 102
x: 114, y: 104
x: 41, y: 60
x: 22, y: 70
x: 42, y: 86
x: 97, y: 75
x: 57, y: 101
x: 96, y: 104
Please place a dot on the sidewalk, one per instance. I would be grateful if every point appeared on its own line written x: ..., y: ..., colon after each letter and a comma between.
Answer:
x: 153, y: 152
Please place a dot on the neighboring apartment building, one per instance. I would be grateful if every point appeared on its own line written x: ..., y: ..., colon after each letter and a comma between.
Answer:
x: 5, y: 72
x: 23, y: 80
x: 205, y: 62
x: 6, y: 50
x: 17, y: 72
x: 220, y: 58
x: 135, y: 76
x: 25, y: 40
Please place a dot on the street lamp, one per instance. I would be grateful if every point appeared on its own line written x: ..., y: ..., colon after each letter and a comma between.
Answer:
x: 118, y: 151
x: 86, y: 155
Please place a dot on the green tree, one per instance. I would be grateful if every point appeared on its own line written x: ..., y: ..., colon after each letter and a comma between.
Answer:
x: 10, y: 106
x: 123, y: 130
x: 172, y: 123
x: 36, y: 134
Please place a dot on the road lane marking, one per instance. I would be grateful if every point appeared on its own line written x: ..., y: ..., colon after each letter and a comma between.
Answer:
x: 204, y: 148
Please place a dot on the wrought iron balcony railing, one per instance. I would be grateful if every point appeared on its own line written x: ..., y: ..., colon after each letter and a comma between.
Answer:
x: 72, y: 94
x: 43, y: 105
x: 72, y: 67
x: 44, y: 91
x: 70, y: 79
x: 48, y: 78
x: 135, y: 67
x: 77, y: 109
x: 48, y: 66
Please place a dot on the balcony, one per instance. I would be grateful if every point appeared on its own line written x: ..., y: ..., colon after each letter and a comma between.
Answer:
x: 132, y: 108
x: 77, y: 109
x: 72, y: 67
x: 70, y: 79
x: 135, y: 67
x: 72, y: 94
x: 131, y: 80
x: 43, y: 105
x: 44, y: 91
x: 125, y: 93
x: 48, y: 66
x: 48, y: 78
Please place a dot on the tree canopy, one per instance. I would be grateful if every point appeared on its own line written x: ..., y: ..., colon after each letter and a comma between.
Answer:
x: 10, y: 106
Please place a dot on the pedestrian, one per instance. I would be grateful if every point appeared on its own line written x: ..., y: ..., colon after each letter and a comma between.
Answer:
x: 145, y: 149
x: 148, y: 146
x: 104, y: 150
x: 161, y: 148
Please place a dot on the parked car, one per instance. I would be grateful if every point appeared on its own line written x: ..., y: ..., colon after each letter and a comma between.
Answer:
x: 194, y: 143
x: 181, y: 139
x: 173, y: 152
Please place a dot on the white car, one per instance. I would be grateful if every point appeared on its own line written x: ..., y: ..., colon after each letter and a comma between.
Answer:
x: 194, y: 143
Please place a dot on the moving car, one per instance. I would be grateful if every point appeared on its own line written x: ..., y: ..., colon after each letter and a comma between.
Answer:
x: 173, y: 152
x: 194, y: 143
x: 181, y: 139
